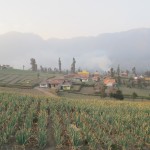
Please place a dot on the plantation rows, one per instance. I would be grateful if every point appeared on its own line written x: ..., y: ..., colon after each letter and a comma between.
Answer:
x: 18, y: 80
x: 41, y: 123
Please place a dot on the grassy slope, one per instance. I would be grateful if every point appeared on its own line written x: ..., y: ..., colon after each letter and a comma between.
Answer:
x: 140, y: 92
x: 23, y: 76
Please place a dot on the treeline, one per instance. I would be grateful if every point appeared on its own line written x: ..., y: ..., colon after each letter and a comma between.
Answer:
x: 55, y: 70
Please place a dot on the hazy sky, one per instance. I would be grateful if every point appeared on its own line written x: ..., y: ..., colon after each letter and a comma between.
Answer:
x: 71, y: 18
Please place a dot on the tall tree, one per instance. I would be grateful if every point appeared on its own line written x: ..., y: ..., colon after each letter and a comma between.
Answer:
x: 41, y: 68
x: 127, y: 71
x: 118, y: 75
x: 59, y: 63
x: 134, y: 71
x: 112, y: 72
x: 33, y: 64
x: 118, y: 71
x: 73, y: 69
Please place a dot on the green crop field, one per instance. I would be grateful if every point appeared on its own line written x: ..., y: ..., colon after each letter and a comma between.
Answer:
x: 22, y: 79
x: 58, y: 123
x: 139, y: 91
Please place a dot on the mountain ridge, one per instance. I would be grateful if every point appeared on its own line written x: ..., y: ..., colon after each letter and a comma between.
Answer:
x: 127, y: 48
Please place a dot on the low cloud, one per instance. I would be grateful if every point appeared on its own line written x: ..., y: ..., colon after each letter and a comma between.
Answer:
x: 91, y: 53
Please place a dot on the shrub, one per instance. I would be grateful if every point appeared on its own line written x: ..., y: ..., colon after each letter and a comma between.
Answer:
x: 117, y: 95
x: 134, y: 95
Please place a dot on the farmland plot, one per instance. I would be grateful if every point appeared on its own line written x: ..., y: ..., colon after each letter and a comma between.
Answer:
x: 140, y: 92
x: 42, y: 123
x: 3, y: 76
x: 21, y: 79
x: 10, y: 78
x: 18, y: 79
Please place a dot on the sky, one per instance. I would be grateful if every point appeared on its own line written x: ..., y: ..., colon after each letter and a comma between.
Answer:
x: 73, y: 18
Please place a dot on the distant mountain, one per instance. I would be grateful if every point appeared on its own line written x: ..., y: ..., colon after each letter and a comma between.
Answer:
x: 130, y: 48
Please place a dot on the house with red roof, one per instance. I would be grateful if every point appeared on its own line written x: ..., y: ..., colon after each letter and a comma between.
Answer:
x: 55, y: 83
x: 109, y: 82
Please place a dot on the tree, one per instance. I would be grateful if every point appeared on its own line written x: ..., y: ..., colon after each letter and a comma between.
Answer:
x: 73, y: 69
x: 38, y: 75
x: 59, y: 64
x: 139, y: 83
x: 134, y: 95
x: 118, y: 95
x: 118, y: 80
x: 127, y: 71
x: 33, y: 64
x: 112, y: 72
x: 118, y: 75
x: 134, y: 71
x: 50, y: 70
x: 118, y: 71
x: 23, y: 67
x: 41, y: 68
x: 102, y: 91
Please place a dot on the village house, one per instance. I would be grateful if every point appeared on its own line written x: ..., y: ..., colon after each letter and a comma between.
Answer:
x: 84, y: 76
x: 69, y: 76
x: 55, y: 83
x: 147, y: 80
x: 5, y: 67
x: 76, y: 80
x: 124, y: 74
x: 44, y: 84
x: 84, y: 73
x: 109, y: 82
x: 96, y: 77
x: 66, y: 86
x: 84, y: 79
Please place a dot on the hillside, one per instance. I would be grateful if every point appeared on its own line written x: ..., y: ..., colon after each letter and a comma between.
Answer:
x: 128, y: 48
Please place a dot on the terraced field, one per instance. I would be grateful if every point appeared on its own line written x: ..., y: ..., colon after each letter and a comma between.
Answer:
x: 21, y: 79
x: 70, y: 124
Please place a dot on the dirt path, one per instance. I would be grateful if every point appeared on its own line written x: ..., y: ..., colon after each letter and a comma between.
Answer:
x: 51, y: 142
x: 46, y: 91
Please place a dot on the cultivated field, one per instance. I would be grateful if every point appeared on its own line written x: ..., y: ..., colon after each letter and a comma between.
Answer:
x: 21, y: 79
x: 51, y: 123
x: 139, y: 91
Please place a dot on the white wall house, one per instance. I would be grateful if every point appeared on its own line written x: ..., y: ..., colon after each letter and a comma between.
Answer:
x: 44, y: 84
x: 84, y: 79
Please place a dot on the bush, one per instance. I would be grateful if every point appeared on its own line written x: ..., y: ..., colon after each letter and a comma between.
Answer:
x: 118, y: 95
x: 134, y: 95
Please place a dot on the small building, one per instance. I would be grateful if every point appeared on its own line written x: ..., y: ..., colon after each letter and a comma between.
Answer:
x: 44, y: 84
x: 84, y: 79
x: 69, y: 76
x: 147, y: 80
x: 124, y: 74
x: 76, y: 80
x: 84, y: 73
x: 55, y: 83
x: 96, y: 76
x: 109, y: 82
x: 66, y: 86
x: 96, y: 79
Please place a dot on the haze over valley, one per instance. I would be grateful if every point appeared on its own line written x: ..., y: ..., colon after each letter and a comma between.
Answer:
x: 129, y: 48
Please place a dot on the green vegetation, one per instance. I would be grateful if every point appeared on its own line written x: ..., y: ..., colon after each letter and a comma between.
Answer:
x: 117, y: 95
x: 75, y: 123
x: 134, y: 95
x: 142, y: 93
x: 22, y: 78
